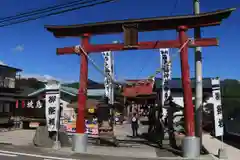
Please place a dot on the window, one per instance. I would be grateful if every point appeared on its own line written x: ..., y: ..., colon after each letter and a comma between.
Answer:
x: 9, y: 82
x: 1, y: 107
x: 12, y: 83
x: 1, y: 81
x: 6, y: 107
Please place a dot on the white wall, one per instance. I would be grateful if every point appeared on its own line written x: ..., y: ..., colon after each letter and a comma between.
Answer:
x: 178, y: 99
x: 7, y: 78
x: 67, y: 113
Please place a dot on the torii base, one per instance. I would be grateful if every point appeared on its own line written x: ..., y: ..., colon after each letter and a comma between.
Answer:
x: 79, y: 142
x: 222, y: 153
x: 191, y: 147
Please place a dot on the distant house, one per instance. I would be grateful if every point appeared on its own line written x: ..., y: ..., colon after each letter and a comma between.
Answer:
x: 140, y: 91
x: 149, y: 91
x: 8, y: 92
x: 177, y: 89
x: 27, y: 106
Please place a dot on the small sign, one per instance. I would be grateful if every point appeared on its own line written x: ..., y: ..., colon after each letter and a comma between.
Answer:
x: 30, y: 104
x: 166, y: 74
x: 52, y: 106
x: 217, y: 107
x: 33, y: 124
x: 108, y: 71
x: 38, y: 104
x: 91, y: 110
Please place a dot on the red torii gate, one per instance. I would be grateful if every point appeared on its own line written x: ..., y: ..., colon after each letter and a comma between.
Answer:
x: 131, y: 28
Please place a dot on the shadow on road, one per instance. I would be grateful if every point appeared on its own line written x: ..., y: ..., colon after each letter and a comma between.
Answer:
x: 153, y: 139
x: 231, y: 140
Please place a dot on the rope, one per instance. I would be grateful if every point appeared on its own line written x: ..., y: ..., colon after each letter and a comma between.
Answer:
x: 159, y: 70
x: 79, y: 48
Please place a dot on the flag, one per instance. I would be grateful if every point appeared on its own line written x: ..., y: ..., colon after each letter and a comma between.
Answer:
x: 23, y: 103
x: 16, y: 103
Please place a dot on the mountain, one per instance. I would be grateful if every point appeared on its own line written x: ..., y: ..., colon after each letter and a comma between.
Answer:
x: 42, y: 78
x: 91, y: 85
x: 29, y: 83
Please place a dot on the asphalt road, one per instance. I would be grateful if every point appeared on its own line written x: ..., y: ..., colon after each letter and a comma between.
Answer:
x: 19, y: 153
x: 8, y: 155
x: 9, y: 152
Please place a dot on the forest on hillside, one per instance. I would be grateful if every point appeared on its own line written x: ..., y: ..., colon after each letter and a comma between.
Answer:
x: 29, y: 83
x: 230, y: 96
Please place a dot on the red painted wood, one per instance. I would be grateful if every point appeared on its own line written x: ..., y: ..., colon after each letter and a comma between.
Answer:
x: 142, y: 45
x: 138, y: 89
x: 186, y: 83
x: 82, y: 92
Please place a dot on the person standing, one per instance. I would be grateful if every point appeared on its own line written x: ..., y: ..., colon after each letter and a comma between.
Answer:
x: 160, y: 127
x: 150, y: 120
x: 134, y: 125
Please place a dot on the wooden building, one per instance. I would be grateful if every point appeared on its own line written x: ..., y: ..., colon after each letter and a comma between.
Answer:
x: 32, y: 107
x: 177, y: 90
x: 8, y: 92
x: 140, y: 91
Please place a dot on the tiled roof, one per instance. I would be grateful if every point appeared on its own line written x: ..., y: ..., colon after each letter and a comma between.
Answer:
x: 176, y: 83
x: 74, y: 91
x: 10, y: 68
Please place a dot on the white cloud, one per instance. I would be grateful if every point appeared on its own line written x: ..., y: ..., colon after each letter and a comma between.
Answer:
x: 45, y: 78
x: 2, y: 63
x: 18, y: 48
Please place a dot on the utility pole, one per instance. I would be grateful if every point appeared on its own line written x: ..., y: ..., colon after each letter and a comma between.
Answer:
x: 112, y: 100
x: 198, y: 79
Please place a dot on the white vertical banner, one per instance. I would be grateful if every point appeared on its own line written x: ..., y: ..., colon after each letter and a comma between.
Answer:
x: 52, y: 100
x: 217, y: 107
x: 108, y: 70
x: 166, y: 73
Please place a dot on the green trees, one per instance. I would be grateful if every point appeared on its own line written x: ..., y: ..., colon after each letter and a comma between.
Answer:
x: 230, y: 97
x: 30, y: 82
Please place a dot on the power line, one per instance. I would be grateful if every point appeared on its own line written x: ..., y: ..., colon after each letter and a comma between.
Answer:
x: 159, y: 70
x: 58, y: 12
x: 174, y: 7
x: 80, y: 48
x: 41, y: 10
x: 144, y: 66
x: 171, y: 13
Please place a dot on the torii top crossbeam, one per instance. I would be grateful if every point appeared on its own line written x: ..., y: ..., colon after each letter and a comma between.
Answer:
x: 145, y: 24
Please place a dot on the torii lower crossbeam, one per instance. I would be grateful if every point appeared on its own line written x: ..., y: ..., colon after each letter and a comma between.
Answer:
x: 90, y: 48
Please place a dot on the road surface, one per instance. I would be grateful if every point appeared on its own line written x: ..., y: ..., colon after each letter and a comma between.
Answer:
x: 21, y: 153
x: 12, y: 155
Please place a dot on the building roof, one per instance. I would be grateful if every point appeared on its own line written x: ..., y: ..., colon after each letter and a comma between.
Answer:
x: 25, y: 91
x: 144, y: 24
x: 73, y: 91
x: 10, y: 68
x: 176, y: 83
x: 145, y: 89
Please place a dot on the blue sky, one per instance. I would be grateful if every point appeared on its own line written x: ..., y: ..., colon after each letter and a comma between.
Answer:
x: 30, y: 47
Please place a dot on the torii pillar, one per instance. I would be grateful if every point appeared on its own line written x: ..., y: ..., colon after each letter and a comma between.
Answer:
x: 186, y: 83
x: 80, y: 137
x: 131, y: 28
